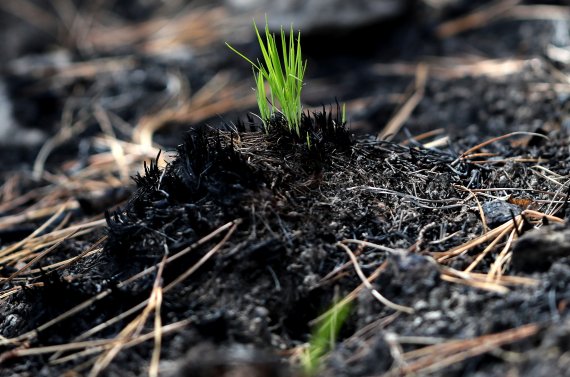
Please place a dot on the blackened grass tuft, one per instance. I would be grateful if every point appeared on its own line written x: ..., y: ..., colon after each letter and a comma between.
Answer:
x: 209, y: 164
x: 324, y: 130
x: 207, y: 173
x: 151, y: 173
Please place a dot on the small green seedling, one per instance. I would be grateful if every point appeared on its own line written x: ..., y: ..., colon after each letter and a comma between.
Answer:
x: 324, y: 338
x: 283, y: 71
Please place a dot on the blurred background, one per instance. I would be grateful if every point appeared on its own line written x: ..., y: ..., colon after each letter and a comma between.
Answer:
x: 106, y: 83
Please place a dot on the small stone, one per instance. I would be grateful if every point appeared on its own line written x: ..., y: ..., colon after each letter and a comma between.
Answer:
x: 498, y: 212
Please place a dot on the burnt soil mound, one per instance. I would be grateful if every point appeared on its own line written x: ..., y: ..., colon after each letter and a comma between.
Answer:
x: 437, y: 215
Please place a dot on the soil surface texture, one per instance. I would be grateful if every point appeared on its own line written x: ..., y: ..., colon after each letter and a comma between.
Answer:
x: 150, y: 226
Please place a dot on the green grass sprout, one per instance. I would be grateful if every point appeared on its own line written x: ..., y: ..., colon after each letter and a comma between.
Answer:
x: 283, y: 71
x: 324, y: 338
x: 262, y: 103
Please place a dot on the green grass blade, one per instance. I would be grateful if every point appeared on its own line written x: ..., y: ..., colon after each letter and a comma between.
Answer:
x: 283, y: 70
x: 264, y: 111
x: 242, y: 56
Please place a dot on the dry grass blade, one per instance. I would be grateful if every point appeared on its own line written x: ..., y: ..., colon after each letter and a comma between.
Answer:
x: 469, y: 153
x: 35, y: 214
x: 133, y: 329
x: 155, y: 358
x: 423, y: 136
x: 229, y: 98
x: 506, y: 160
x: 94, y: 248
x: 394, y: 125
x: 33, y: 333
x: 532, y: 214
x: 496, y: 269
x: 478, y: 18
x: 369, y: 286
x: 21, y: 251
x: 98, y: 345
x: 36, y: 259
x: 479, y: 281
x: 141, y: 305
x: 351, y: 296
x: 68, y: 130
x: 156, y: 303
x: 492, y: 234
x: 479, y: 207
x: 117, y: 150
x: 196, y: 27
x: 507, y: 280
x: 9, y: 292
x: 22, y: 352
x: 369, y: 244
x: 513, y: 229
x: 453, y: 68
x: 539, y: 12
x: 489, y: 247
x: 434, y: 358
x: 39, y: 230
x: 202, y: 260
x: 484, y: 285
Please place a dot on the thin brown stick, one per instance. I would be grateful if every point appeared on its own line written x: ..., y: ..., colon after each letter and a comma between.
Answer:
x: 105, y: 343
x: 495, y: 272
x: 155, y: 358
x: 478, y: 18
x: 36, y: 259
x: 425, y: 135
x: 394, y: 125
x: 351, y: 296
x: 33, y: 333
x: 484, y: 285
x: 487, y: 249
x: 479, y: 207
x: 468, y: 152
x: 39, y: 230
x: 133, y: 329
x: 433, y: 358
x: 369, y: 286
x: 202, y: 260
x: 539, y: 215
x: 441, y: 256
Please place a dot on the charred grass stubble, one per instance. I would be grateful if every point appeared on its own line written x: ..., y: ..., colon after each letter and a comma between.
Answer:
x: 219, y: 175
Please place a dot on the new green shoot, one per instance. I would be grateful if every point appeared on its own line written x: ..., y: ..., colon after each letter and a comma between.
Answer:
x: 324, y: 338
x: 283, y: 71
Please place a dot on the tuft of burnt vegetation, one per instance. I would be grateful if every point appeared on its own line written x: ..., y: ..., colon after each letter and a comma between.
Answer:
x: 325, y: 131
x: 200, y: 187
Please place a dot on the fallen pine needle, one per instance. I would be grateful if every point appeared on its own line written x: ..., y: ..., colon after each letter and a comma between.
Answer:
x: 467, y: 154
x: 367, y: 284
x: 436, y: 357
